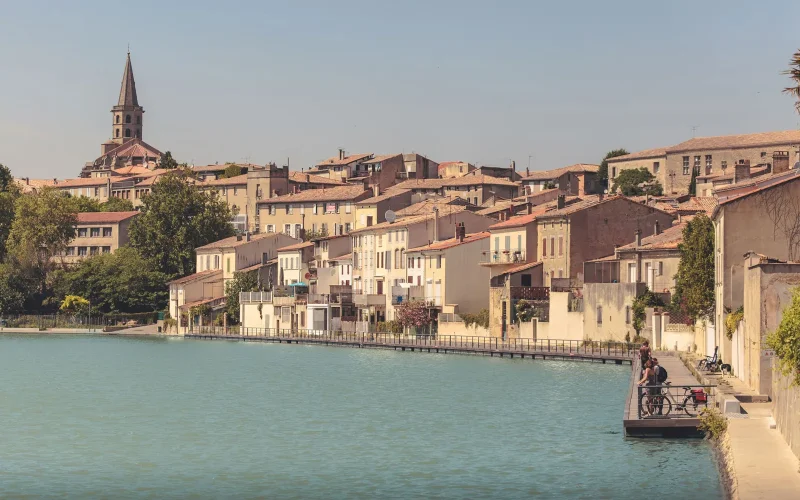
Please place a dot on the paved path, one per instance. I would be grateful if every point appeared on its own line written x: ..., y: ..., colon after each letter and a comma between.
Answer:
x: 763, y: 464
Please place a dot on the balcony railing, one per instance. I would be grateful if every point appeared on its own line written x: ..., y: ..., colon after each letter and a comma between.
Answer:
x: 369, y: 299
x: 255, y: 297
x: 433, y: 301
x: 330, y: 298
x: 404, y: 294
x: 503, y: 257
x: 530, y: 293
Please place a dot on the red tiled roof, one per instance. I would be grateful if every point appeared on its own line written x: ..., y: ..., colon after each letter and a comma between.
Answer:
x: 473, y: 180
x: 516, y: 268
x: 297, y: 246
x: 336, y: 193
x: 389, y: 193
x: 421, y: 184
x: 640, y: 155
x: 81, y: 182
x: 27, y: 185
x: 698, y: 204
x: 104, y: 217
x: 380, y: 158
x: 234, y: 241
x: 426, y: 206
x: 452, y: 242
x: 763, y: 184
x: 546, y: 175
x: 134, y: 148
x: 237, y: 180
x: 591, y: 201
x: 131, y: 170
x: 763, y: 139
x: 303, y: 178
x: 211, y: 273
x: 668, y: 239
x: 335, y: 161
x: 536, y: 212
x: 411, y: 220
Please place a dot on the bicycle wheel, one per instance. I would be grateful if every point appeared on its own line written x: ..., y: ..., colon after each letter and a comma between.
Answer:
x: 701, y: 364
x: 663, y: 405
x: 643, y: 403
x: 690, y: 406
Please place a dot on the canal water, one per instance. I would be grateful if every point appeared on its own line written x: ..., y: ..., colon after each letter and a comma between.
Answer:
x: 114, y: 417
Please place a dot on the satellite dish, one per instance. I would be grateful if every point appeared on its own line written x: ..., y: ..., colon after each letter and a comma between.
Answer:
x: 390, y: 216
x: 308, y: 275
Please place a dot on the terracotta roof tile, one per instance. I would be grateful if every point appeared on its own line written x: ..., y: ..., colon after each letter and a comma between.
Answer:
x: 668, y: 239
x: 389, y: 193
x: 104, y: 217
x: 335, y: 161
x: 380, y: 158
x: 303, y: 178
x: 763, y: 184
x: 640, y: 155
x: 27, y: 185
x: 452, y: 242
x: 296, y: 246
x: 482, y: 179
x: 516, y: 268
x: 545, y: 175
x: 336, y: 193
x: 414, y: 219
x: 234, y: 241
x: 238, y: 180
x: 427, y: 206
x: 421, y: 184
x: 536, y: 212
x: 212, y: 273
x: 764, y: 139
x: 134, y: 148
x: 88, y: 181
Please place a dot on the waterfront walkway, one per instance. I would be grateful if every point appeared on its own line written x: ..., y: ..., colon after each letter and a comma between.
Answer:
x: 678, y: 422
x: 572, y: 350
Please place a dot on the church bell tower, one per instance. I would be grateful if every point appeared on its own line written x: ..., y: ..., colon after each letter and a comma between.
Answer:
x: 127, y: 114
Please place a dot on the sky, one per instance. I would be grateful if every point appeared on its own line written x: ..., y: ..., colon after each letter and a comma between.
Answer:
x: 546, y: 84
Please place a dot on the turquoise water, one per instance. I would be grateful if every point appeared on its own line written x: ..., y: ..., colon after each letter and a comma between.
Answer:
x: 112, y: 417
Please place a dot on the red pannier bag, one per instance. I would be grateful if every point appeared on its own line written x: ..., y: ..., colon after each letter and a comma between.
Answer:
x: 699, y: 395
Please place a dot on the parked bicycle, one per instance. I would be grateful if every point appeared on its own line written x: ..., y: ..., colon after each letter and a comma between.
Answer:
x: 691, y: 402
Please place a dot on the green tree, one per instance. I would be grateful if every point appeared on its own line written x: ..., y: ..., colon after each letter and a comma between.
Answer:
x: 74, y: 304
x: 636, y: 182
x: 241, y: 282
x: 167, y: 162
x: 794, y: 75
x: 232, y: 170
x: 6, y: 179
x: 122, y: 281
x: 9, y: 192
x: 176, y: 217
x: 602, y: 172
x: 693, y: 183
x: 16, y: 288
x: 694, y: 282
x: 80, y: 204
x: 643, y: 301
x: 116, y: 205
x: 44, y: 223
x: 785, y: 341
x: 315, y: 235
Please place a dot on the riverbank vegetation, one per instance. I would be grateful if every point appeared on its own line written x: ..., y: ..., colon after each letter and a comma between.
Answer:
x: 785, y: 340
x: 36, y: 228
x: 694, y: 282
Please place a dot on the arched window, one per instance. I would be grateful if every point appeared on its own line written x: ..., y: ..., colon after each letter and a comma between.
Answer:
x: 402, y: 258
x: 117, y: 118
x: 117, y: 132
x: 138, y: 120
x: 127, y: 118
x: 127, y: 132
x: 138, y: 133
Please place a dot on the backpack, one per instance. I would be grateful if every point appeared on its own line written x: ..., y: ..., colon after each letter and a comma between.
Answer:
x: 661, y: 375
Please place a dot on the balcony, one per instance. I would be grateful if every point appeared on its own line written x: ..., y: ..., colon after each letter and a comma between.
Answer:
x: 530, y: 293
x: 369, y: 299
x: 255, y: 297
x: 433, y: 301
x: 404, y: 294
x: 502, y: 257
x: 330, y: 298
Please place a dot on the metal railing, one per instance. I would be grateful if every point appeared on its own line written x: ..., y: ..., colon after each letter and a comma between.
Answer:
x: 449, y: 318
x: 502, y: 257
x: 330, y: 298
x: 77, y: 322
x: 624, y: 350
x: 530, y: 292
x: 254, y: 297
x: 674, y: 401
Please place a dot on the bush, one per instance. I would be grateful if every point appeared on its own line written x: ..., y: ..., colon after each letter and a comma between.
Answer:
x: 732, y: 321
x: 479, y: 319
x: 785, y: 340
x: 389, y: 327
x: 713, y: 423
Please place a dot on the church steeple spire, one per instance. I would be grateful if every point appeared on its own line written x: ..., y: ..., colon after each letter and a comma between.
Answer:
x: 127, y: 92
x: 127, y: 121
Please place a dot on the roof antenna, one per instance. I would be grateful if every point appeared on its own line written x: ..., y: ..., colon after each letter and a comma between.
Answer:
x: 129, y: 48
x: 694, y: 130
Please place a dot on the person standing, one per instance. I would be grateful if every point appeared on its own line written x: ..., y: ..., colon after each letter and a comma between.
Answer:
x: 645, y: 353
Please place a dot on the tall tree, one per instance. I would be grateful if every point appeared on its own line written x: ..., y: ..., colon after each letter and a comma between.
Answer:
x: 794, y: 75
x: 44, y: 223
x: 16, y: 288
x: 232, y: 170
x: 83, y: 204
x: 241, y: 282
x: 693, y: 183
x: 602, y: 172
x: 6, y: 179
x: 122, y: 281
x: 694, y: 282
x: 167, y: 162
x: 176, y: 218
x: 9, y: 192
x: 114, y: 204
x: 637, y: 182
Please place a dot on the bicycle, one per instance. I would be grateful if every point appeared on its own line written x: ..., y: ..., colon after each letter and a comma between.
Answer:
x: 694, y: 401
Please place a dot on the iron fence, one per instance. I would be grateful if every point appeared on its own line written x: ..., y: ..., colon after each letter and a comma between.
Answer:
x: 77, y: 321
x: 555, y: 346
x: 674, y: 401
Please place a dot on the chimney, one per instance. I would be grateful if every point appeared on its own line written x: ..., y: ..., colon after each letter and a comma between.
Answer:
x: 376, y: 190
x: 741, y: 171
x: 562, y: 201
x: 341, y: 154
x: 247, y: 236
x: 513, y: 166
x: 780, y: 162
x: 527, y: 171
x: 238, y: 237
x: 529, y: 208
x: 461, y: 231
x: 638, y: 238
x: 656, y: 228
x: 435, y: 224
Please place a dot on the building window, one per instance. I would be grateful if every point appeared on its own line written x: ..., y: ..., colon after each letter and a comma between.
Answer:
x: 656, y: 166
x: 272, y: 209
x: 270, y: 228
x: 127, y: 118
x: 763, y: 154
x: 438, y: 262
x: 82, y: 232
x: 228, y: 264
x: 117, y: 132
x: 289, y: 208
x: 138, y: 120
x: 94, y: 250
x: 287, y: 229
x: 82, y: 251
x: 552, y: 246
x: 216, y: 262
x: 117, y: 118
x: 697, y: 163
x: 70, y: 251
x: 613, y: 172
x: 106, y: 249
x: 724, y: 165
x: 127, y: 132
x: 94, y: 232
x: 685, y: 165
x: 544, y: 247
x: 709, y: 164
x: 599, y: 315
x: 106, y: 232
x: 560, y: 246
x: 346, y: 227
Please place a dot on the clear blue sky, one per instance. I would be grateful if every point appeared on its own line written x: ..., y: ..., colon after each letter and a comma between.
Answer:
x: 484, y: 82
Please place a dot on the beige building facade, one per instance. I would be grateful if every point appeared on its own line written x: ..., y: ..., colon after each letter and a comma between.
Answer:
x: 98, y: 233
